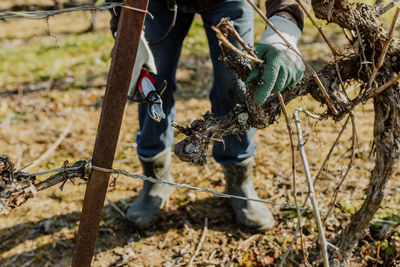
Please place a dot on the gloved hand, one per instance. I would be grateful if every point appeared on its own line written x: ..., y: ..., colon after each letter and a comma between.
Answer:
x: 282, y: 67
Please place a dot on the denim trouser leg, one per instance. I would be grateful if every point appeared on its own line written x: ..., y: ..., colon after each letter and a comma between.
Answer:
x: 227, y: 89
x: 154, y: 137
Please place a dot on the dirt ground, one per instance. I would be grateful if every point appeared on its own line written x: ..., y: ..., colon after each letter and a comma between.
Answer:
x: 42, y: 232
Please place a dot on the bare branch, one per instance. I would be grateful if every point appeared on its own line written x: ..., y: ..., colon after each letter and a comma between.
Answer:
x: 388, y: 7
x: 115, y: 207
x: 321, y: 231
x: 367, y: 22
x: 17, y: 187
x: 226, y: 26
x: 386, y: 139
x: 203, y: 236
x: 294, y: 192
x: 52, y: 147
x: 225, y: 41
x: 385, y: 48
x: 372, y: 93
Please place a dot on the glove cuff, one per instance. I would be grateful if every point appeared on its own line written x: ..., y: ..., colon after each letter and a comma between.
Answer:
x: 286, y: 27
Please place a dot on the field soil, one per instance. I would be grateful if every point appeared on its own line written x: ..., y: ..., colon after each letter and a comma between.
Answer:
x: 36, y: 106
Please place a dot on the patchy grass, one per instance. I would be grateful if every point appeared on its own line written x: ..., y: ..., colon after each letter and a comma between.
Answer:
x: 195, y: 43
x: 80, y: 56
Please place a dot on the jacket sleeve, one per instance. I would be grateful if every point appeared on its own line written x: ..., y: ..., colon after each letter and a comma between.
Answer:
x: 115, y: 12
x: 290, y: 6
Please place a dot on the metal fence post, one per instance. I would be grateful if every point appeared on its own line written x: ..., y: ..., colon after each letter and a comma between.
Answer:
x: 126, y: 44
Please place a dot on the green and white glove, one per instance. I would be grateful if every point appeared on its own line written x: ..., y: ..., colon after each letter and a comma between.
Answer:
x: 282, y: 67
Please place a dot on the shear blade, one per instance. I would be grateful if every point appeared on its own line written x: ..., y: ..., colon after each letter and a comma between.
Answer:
x: 156, y: 112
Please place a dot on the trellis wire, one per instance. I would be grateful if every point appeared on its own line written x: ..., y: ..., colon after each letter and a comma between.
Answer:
x: 90, y: 167
x: 49, y: 13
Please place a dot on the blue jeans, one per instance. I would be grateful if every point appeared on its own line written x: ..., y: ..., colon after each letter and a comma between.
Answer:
x: 154, y: 137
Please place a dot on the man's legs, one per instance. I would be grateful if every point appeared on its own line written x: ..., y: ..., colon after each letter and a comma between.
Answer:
x: 155, y: 138
x: 227, y: 91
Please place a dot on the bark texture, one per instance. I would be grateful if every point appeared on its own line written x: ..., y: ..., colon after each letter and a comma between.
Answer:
x: 387, y: 144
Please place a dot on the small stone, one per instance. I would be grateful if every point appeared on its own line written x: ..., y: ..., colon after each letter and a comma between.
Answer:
x: 69, y: 80
x: 192, y: 196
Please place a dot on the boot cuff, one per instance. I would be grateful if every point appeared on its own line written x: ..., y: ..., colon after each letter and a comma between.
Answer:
x: 166, y: 153
x: 244, y: 163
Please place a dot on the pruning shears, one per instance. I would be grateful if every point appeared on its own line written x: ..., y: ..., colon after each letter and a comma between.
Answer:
x: 149, y: 95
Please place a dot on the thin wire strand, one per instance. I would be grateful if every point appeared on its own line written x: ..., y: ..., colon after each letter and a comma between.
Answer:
x: 48, y: 13
x: 51, y: 171
x: 90, y: 167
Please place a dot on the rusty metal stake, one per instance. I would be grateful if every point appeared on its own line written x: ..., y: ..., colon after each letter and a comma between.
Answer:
x: 126, y: 44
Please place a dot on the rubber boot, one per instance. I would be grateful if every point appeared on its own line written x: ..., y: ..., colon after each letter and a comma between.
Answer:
x: 239, y: 179
x: 146, y: 208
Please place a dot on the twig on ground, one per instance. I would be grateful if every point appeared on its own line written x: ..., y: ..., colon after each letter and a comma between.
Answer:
x: 246, y: 242
x: 384, y: 239
x: 115, y: 207
x: 79, y: 148
x: 283, y: 259
x: 52, y: 147
x: 28, y: 263
x: 308, y: 66
x: 50, y: 83
x: 392, y: 231
x: 321, y: 231
x: 203, y: 236
x: 294, y: 192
